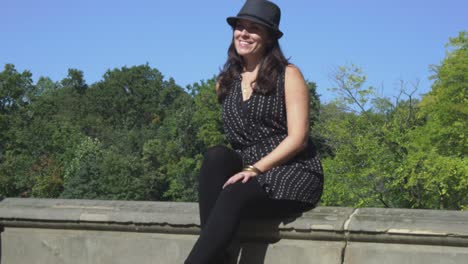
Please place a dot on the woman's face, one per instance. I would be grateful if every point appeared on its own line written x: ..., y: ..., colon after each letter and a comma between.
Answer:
x: 249, y: 38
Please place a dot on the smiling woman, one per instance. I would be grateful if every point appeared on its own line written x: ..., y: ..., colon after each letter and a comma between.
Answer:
x: 273, y: 169
x: 249, y: 42
x: 249, y: 38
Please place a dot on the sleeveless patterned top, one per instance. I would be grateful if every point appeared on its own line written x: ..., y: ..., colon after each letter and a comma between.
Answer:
x: 257, y: 126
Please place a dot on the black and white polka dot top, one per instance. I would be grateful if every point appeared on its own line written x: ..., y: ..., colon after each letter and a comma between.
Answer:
x: 257, y: 126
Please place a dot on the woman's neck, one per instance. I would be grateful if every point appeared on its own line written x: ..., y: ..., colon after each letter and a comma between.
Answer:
x: 251, y: 64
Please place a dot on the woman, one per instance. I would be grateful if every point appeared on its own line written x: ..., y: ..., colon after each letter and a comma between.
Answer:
x: 273, y: 169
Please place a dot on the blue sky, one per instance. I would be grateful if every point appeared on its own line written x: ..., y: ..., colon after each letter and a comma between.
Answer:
x: 187, y: 40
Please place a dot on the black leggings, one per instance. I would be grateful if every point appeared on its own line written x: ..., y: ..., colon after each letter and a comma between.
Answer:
x: 222, y: 209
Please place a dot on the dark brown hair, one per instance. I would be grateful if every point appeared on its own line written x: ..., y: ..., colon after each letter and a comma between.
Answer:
x: 272, y: 65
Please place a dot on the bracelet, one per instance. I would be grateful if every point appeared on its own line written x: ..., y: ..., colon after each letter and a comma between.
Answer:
x: 252, y: 168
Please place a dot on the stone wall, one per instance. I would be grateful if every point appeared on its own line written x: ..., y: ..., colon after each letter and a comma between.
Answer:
x: 54, y: 231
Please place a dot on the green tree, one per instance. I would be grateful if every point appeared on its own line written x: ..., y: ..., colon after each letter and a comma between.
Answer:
x: 45, y: 85
x: 207, y: 114
x: 363, y: 131
x: 435, y: 170
x: 445, y: 106
x: 126, y: 98
x: 171, y: 158
x: 75, y: 80
x: 83, y: 172
x: 409, y: 153
x: 16, y: 90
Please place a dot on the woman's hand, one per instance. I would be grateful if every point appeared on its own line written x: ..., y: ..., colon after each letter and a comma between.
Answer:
x: 243, y: 175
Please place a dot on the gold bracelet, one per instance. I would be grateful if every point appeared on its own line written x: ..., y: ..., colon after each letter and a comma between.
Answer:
x: 252, y: 168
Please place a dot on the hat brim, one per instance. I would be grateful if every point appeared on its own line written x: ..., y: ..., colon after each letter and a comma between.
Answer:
x: 233, y: 20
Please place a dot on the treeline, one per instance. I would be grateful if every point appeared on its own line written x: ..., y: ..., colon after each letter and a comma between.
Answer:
x: 135, y: 136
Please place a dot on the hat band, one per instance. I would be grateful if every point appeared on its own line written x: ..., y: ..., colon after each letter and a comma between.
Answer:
x: 271, y: 25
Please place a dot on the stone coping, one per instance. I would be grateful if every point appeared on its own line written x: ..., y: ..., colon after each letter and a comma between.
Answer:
x: 431, y: 227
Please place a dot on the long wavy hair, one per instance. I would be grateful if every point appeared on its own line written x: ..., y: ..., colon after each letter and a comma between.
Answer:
x: 272, y: 65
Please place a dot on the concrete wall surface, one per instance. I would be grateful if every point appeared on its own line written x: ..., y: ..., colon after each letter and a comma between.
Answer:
x: 53, y: 231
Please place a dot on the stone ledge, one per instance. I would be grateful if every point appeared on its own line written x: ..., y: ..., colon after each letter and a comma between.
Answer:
x: 426, y: 227
x: 53, y: 231
x: 410, y: 221
x: 409, y: 226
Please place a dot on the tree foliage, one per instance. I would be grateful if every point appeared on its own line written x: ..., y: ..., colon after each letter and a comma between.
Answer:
x: 409, y: 153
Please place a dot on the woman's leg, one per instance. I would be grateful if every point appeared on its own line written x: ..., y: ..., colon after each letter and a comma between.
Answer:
x: 219, y: 164
x: 232, y: 204
x: 276, y: 209
x: 224, y: 221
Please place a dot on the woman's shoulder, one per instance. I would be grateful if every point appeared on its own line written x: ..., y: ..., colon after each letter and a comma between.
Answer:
x: 292, y: 72
x: 293, y: 78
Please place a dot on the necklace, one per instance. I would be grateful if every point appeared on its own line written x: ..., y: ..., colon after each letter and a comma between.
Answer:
x: 246, y: 86
x: 246, y: 92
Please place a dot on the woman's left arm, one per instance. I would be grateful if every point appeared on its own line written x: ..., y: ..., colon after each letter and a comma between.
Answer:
x: 297, y: 113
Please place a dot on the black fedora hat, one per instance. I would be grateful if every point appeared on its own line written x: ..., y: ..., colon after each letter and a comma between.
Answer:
x: 262, y: 12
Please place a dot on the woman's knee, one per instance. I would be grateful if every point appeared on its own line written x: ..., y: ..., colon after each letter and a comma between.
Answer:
x: 243, y: 193
x: 219, y: 163
x: 221, y: 155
